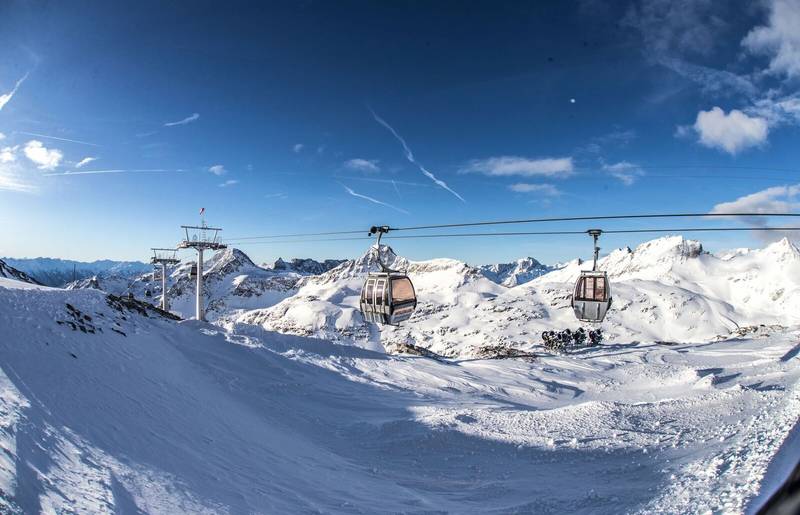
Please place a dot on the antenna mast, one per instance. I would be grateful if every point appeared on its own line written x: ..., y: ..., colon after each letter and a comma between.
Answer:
x: 201, y: 237
x: 164, y: 257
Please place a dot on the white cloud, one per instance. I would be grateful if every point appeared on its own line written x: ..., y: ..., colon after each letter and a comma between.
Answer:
x: 8, y: 154
x: 545, y: 189
x: 374, y: 201
x: 187, y: 120
x: 732, y: 132
x: 778, y: 199
x: 526, y: 167
x: 42, y: 157
x: 229, y: 182
x: 363, y: 165
x: 779, y: 39
x: 624, y: 171
x: 217, y: 170
x: 6, y: 97
x: 297, y: 148
x: 2, y: 136
x: 85, y: 161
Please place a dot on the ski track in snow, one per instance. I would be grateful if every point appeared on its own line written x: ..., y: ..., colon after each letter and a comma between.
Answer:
x: 176, y: 417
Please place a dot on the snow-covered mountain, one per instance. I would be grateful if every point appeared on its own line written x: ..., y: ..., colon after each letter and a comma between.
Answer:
x: 9, y: 272
x: 60, y: 272
x: 666, y: 289
x: 519, y: 272
x: 232, y: 282
x: 304, y: 266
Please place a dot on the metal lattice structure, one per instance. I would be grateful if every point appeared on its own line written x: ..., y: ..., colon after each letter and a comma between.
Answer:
x: 164, y: 257
x: 200, y: 238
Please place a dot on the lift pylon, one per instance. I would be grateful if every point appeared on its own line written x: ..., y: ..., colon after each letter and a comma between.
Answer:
x: 164, y: 257
x: 201, y: 237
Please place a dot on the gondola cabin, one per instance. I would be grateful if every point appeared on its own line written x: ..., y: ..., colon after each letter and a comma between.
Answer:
x: 592, y: 296
x: 388, y: 298
x: 193, y: 271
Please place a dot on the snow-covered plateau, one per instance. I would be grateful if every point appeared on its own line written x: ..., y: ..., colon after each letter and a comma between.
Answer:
x: 287, y: 402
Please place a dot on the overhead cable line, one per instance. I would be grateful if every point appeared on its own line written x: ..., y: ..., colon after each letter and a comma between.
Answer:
x: 538, y: 233
x: 525, y: 221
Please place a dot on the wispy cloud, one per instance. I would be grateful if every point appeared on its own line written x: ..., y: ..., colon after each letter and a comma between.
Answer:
x: 779, y: 39
x: 374, y: 201
x: 276, y: 195
x: 624, y: 171
x: 45, y: 136
x: 189, y: 119
x: 297, y: 148
x: 112, y: 171
x: 387, y: 181
x: 2, y: 136
x: 44, y: 158
x: 363, y: 165
x: 544, y: 189
x: 410, y: 157
x: 217, y: 170
x: 504, y: 166
x: 8, y: 154
x: 13, y: 178
x: 6, y: 97
x: 229, y: 182
x: 85, y: 161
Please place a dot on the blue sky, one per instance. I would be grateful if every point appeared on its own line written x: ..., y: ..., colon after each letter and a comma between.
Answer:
x: 282, y: 117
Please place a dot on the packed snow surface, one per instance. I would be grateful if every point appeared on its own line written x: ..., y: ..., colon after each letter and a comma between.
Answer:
x: 110, y: 407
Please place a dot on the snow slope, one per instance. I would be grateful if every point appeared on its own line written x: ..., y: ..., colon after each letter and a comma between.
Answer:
x: 137, y: 413
x: 667, y: 289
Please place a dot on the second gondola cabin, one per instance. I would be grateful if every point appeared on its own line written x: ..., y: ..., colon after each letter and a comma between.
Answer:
x: 592, y: 296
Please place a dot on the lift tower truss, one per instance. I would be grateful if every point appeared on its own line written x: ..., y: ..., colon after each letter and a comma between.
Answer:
x: 165, y: 258
x: 201, y: 237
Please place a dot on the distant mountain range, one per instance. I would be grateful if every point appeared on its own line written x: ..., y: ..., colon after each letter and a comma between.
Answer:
x: 59, y: 272
x: 10, y: 272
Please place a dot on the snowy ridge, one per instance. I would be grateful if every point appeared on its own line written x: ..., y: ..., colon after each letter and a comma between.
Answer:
x: 194, y: 418
x: 10, y: 272
x: 519, y: 272
x: 232, y: 282
x: 304, y: 266
x: 666, y: 289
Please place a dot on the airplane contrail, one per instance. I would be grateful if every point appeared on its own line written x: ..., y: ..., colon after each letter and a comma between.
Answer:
x: 99, y: 172
x: 58, y: 138
x: 374, y: 201
x: 410, y: 156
